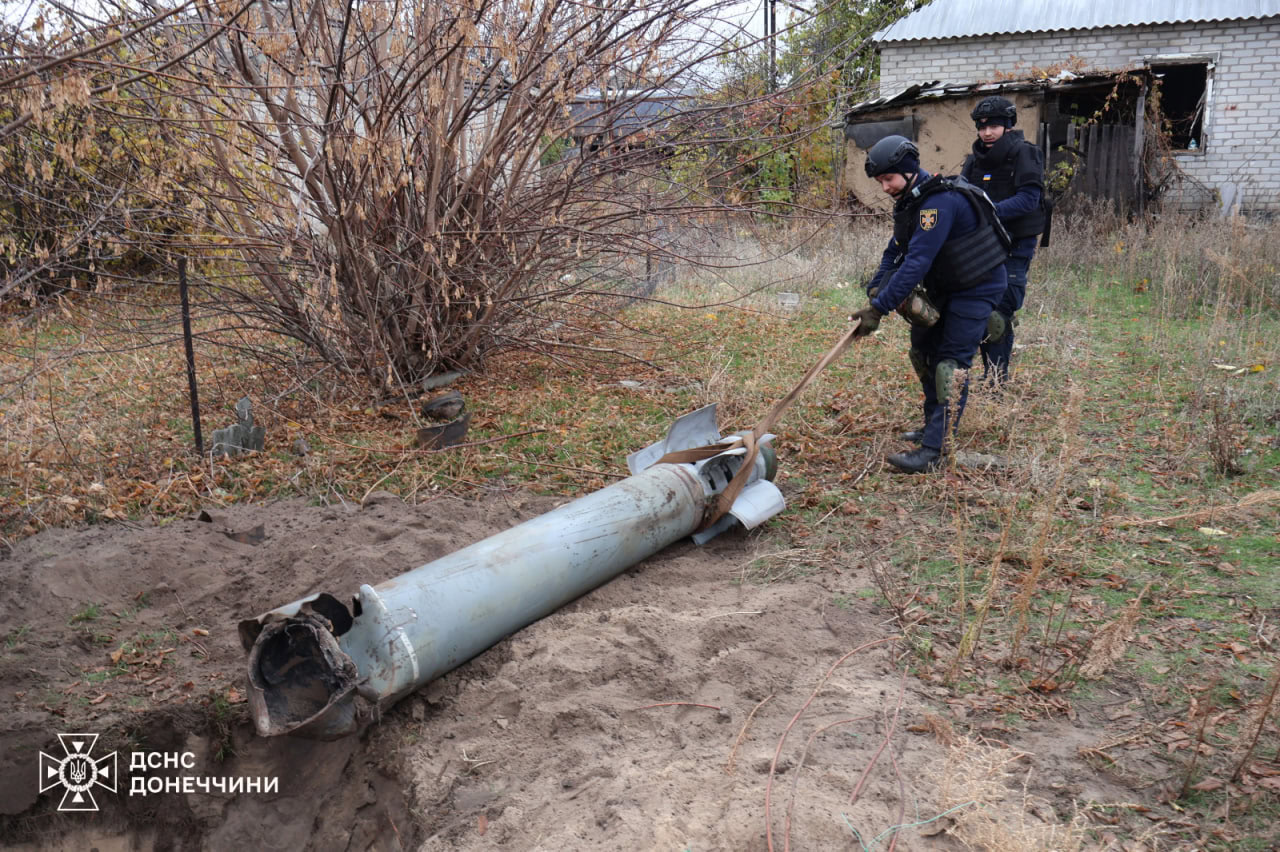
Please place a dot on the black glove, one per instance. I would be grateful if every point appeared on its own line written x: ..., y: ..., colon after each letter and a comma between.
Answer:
x: 872, y: 291
x: 868, y: 321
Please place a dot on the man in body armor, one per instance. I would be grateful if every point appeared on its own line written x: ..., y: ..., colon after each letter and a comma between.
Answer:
x: 945, y: 236
x: 1010, y: 170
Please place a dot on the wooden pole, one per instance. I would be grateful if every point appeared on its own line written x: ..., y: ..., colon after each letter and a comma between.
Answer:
x: 191, y: 354
x: 1139, y: 129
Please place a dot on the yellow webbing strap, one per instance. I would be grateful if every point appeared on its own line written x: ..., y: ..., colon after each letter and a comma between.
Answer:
x: 717, y: 510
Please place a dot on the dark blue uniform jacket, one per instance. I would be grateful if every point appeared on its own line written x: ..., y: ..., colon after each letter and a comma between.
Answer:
x: 942, y: 216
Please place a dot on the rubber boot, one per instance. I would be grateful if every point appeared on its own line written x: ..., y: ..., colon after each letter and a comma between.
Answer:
x: 919, y: 460
x: 915, y: 436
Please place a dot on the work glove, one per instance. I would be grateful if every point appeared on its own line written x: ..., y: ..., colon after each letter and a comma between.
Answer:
x: 869, y: 321
x: 872, y: 291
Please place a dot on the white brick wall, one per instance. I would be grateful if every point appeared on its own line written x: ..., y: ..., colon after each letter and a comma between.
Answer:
x: 1241, y: 147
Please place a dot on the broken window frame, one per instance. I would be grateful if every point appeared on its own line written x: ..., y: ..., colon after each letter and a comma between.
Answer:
x: 1202, y: 113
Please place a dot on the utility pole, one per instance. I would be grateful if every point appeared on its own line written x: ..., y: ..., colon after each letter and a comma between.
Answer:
x: 771, y: 33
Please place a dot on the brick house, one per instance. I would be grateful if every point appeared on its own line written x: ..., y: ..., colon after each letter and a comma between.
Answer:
x: 1217, y: 63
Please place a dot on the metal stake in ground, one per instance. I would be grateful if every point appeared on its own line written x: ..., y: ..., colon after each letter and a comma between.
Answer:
x: 191, y: 354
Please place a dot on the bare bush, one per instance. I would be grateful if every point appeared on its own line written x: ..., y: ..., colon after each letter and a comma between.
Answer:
x: 1226, y: 432
x: 405, y: 188
x: 87, y: 148
x: 396, y: 178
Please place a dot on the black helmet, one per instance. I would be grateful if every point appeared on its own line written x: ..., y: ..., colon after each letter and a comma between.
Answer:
x: 892, y: 154
x: 995, y: 107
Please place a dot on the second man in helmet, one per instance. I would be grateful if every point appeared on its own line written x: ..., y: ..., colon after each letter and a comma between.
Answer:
x: 1011, y: 171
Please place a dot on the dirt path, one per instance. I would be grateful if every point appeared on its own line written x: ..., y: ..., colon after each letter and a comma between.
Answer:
x: 546, y: 741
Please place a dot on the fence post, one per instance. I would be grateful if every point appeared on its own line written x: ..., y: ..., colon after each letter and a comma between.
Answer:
x: 1088, y: 136
x: 1139, y: 129
x: 191, y: 354
x: 1116, y: 187
x: 1093, y: 164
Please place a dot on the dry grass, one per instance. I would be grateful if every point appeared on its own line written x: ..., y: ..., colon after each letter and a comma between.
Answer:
x: 994, y: 812
x: 1069, y: 448
x: 749, y: 265
x: 95, y: 422
x: 1227, y: 271
x: 1112, y: 639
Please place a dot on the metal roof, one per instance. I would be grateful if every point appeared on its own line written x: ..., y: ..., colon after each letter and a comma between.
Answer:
x: 968, y: 18
x: 935, y: 90
x: 623, y: 115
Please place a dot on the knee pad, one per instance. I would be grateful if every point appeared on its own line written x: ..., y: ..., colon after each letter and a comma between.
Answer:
x: 919, y: 363
x: 996, y: 327
x: 944, y: 378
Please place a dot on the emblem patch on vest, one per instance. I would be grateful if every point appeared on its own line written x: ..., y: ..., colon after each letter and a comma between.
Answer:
x: 928, y: 218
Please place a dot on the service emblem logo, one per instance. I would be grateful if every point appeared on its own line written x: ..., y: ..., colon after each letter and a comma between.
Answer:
x: 928, y: 218
x: 77, y: 772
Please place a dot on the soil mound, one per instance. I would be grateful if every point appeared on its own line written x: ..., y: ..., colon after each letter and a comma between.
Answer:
x: 579, y: 732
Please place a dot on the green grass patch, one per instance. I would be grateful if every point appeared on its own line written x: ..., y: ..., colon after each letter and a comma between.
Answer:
x: 90, y: 612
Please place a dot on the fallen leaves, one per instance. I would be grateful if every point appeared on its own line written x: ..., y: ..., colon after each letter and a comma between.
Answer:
x: 1241, y: 371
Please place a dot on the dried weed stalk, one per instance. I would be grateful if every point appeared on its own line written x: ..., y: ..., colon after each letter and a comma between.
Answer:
x: 1227, y: 433
x: 973, y: 634
x: 993, y: 813
x: 1265, y: 705
x: 896, y: 591
x: 1112, y: 639
x: 1243, y: 506
x: 1205, y: 710
x: 1044, y: 512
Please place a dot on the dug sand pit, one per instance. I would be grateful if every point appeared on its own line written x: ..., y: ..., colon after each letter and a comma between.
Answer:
x: 648, y: 714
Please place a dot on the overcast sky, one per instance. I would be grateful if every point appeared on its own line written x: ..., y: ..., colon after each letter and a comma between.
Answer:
x: 747, y: 14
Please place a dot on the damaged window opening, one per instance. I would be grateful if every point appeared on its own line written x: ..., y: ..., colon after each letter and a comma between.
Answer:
x: 1184, y: 92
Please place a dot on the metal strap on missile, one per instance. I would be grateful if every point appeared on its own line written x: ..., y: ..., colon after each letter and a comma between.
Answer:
x: 718, y: 509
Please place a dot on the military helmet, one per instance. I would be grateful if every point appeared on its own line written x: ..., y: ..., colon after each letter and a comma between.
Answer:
x: 995, y: 107
x: 892, y: 154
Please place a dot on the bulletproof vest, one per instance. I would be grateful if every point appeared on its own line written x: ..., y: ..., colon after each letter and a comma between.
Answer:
x: 996, y: 172
x: 963, y: 261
